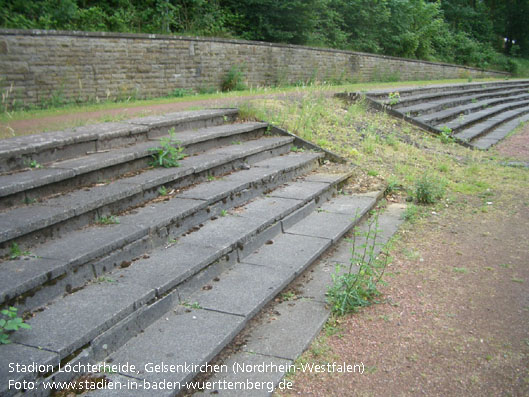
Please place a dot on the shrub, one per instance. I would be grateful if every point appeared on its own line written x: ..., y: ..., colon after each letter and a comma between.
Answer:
x: 429, y: 189
x: 233, y: 80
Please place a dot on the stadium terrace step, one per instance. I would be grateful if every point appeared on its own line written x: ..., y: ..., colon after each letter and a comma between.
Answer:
x: 467, y: 111
x: 17, y: 153
x: 221, y: 308
x: 34, y: 184
x: 56, y: 216
x: 59, y: 263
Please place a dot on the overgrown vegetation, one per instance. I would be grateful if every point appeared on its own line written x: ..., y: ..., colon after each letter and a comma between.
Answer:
x: 233, y: 80
x: 484, y: 33
x: 358, y: 287
x: 169, y: 153
x: 10, y: 322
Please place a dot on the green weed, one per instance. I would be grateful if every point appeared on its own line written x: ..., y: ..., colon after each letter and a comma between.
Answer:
x: 9, y: 323
x: 352, y: 290
x: 162, y: 191
x: 233, y: 80
x: 393, y: 98
x: 108, y: 220
x: 429, y: 189
x: 15, y: 252
x: 169, y: 153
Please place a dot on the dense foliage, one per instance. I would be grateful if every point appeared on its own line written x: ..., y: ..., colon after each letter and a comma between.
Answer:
x: 473, y: 32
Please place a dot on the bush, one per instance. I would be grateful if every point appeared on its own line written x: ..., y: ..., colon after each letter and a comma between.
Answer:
x: 233, y: 80
x: 429, y: 189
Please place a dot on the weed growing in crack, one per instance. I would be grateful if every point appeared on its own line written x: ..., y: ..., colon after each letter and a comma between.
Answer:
x: 15, y: 252
x: 393, y: 98
x: 169, y: 153
x: 446, y: 135
x: 359, y: 286
x: 9, y: 323
x: 162, y: 191
x: 108, y: 220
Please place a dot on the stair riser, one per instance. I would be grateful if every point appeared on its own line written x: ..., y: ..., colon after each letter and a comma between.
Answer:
x: 505, y: 98
x: 488, y: 116
x: 409, y: 102
x: 461, y: 90
x: 95, y: 268
x: 495, y: 125
x: 450, y: 117
x: 116, y: 171
x: 116, y: 336
x: 61, y: 228
x: 79, y: 149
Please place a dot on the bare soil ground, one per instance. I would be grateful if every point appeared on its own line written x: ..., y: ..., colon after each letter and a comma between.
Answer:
x: 516, y: 146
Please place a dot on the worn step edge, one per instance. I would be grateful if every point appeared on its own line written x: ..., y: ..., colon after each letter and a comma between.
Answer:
x: 438, y: 106
x: 144, y: 296
x: 498, y: 133
x: 26, y: 186
x: 440, y: 87
x: 284, y: 276
x: 419, y: 99
x: 17, y: 152
x: 449, y: 114
x: 478, y: 130
x: 418, y: 96
x: 52, y: 274
x: 86, y: 205
x: 482, y: 115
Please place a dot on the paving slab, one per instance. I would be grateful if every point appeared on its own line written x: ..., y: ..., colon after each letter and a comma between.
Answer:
x: 289, y: 253
x: 243, y: 290
x: 184, y: 338
x: 76, y: 319
x: 167, y: 267
x: 320, y: 278
x: 300, y: 190
x: 287, y: 162
x: 289, y: 331
x: 31, y: 179
x: 324, y: 225
x: 247, y: 374
x: 19, y: 363
x: 270, y: 209
x: 22, y: 275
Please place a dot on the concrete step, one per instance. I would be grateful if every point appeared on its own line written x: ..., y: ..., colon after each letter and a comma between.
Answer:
x: 437, y: 90
x: 470, y: 111
x: 277, y: 339
x: 465, y: 105
x: 221, y: 308
x: 412, y: 100
x: 498, y: 133
x: 466, y: 121
x: 32, y: 224
x: 62, y: 265
x: 110, y: 310
x: 482, y: 128
x: 17, y: 153
x: 34, y: 184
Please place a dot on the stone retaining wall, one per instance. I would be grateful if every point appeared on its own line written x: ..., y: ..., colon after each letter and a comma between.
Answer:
x: 38, y: 66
